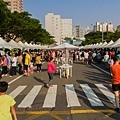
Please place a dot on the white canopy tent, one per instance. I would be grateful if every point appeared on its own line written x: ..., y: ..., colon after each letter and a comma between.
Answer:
x: 95, y: 45
x: 89, y: 46
x: 92, y: 46
x: 86, y: 46
x: 101, y: 46
x: 4, y: 44
x: 107, y: 45
x: 35, y: 46
x: 22, y: 44
x: 116, y: 44
x: 65, y: 46
x: 81, y: 47
x: 27, y: 45
x: 14, y: 44
x: 31, y: 46
x: 44, y: 47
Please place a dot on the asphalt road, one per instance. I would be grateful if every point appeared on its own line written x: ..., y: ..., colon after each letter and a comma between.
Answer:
x: 87, y: 95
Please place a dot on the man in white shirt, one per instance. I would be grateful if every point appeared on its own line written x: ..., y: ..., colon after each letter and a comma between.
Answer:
x: 86, y: 55
x: 106, y: 58
x: 13, y: 65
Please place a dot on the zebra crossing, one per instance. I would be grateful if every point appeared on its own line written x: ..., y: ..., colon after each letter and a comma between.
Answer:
x: 72, y: 99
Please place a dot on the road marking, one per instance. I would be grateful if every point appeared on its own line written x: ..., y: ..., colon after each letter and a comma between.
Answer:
x: 33, y: 117
x: 92, y: 111
x: 28, y: 100
x: 72, y: 98
x: 101, y: 69
x: 92, y: 97
x: 67, y: 112
x: 50, y: 97
x: 56, y: 117
x: 15, y: 79
x: 106, y: 92
x: 17, y: 91
x: 18, y: 77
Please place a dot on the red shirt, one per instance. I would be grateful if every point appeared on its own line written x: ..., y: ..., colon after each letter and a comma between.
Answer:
x: 115, y: 69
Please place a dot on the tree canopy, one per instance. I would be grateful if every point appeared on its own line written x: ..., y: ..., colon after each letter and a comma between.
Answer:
x: 23, y: 26
x: 96, y: 37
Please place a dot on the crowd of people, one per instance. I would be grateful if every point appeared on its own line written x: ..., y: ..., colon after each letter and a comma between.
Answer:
x: 24, y: 62
x: 20, y: 62
x: 89, y: 56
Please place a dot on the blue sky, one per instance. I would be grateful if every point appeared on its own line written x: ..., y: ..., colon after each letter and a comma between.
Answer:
x: 83, y: 12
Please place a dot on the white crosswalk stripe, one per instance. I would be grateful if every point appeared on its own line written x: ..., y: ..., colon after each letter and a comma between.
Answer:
x: 71, y: 95
x: 50, y: 97
x: 28, y: 100
x: 72, y: 98
x: 92, y: 97
x: 17, y: 91
x: 106, y: 92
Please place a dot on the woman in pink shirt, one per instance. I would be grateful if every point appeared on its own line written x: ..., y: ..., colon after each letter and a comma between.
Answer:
x: 51, y: 69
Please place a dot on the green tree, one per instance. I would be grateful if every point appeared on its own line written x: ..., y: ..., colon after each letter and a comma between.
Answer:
x: 96, y: 37
x: 67, y: 38
x: 22, y: 25
x: 4, y: 13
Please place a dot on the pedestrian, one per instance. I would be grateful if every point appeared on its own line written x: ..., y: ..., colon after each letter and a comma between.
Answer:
x: 106, y: 59
x: 1, y: 63
x: 13, y: 65
x: 27, y: 63
x: 6, y: 103
x: 20, y: 63
x: 4, y: 66
x: 51, y: 69
x: 115, y: 70
x: 31, y: 67
x: 38, y: 62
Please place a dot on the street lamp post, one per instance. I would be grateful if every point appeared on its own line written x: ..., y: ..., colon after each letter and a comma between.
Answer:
x: 102, y: 35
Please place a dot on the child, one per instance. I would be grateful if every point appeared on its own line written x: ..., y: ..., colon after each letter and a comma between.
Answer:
x: 6, y: 103
x: 51, y: 69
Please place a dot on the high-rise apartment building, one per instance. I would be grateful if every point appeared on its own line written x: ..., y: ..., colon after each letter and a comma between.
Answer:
x: 105, y: 27
x: 57, y: 27
x: 97, y: 26
x: 118, y: 28
x: 110, y: 27
x: 66, y: 28
x: 15, y: 5
x: 79, y: 32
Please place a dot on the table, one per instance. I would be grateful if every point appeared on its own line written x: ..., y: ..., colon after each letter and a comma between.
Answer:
x: 65, y: 67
